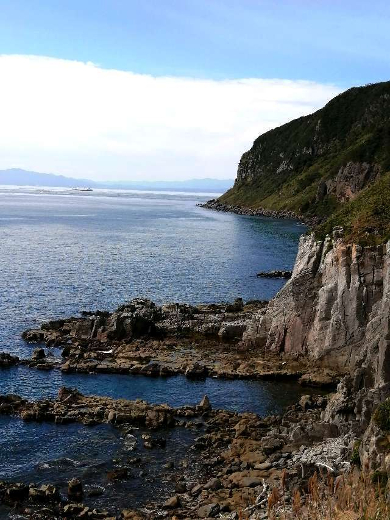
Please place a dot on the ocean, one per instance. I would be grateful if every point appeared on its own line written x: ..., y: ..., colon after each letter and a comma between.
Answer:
x: 63, y: 252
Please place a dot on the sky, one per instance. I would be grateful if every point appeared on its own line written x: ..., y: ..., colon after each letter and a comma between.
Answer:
x: 172, y: 89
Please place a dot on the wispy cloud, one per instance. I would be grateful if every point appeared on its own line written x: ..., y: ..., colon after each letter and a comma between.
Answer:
x: 77, y: 118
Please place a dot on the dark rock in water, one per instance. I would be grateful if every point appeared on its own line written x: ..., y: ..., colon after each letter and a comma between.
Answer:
x: 205, y: 403
x: 34, y: 336
x: 38, y: 353
x: 44, y: 502
x: 153, y: 442
x: 196, y: 371
x: 44, y: 493
x: 216, y: 205
x: 68, y: 394
x: 75, y: 490
x: 6, y: 360
x: 180, y: 487
x: 118, y: 474
x: 274, y: 274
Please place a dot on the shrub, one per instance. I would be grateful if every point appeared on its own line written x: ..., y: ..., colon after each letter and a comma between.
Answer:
x: 355, y: 456
x: 382, y: 415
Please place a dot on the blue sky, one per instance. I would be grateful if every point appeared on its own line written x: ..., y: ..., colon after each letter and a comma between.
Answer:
x: 331, y: 44
x: 343, y: 42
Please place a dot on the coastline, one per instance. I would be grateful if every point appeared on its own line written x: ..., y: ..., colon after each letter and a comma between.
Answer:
x: 215, y: 205
x: 142, y: 338
x: 234, y: 458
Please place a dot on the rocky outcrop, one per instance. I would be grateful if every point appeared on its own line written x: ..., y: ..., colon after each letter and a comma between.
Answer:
x: 274, y: 274
x: 143, y: 338
x: 44, y: 502
x: 71, y: 406
x: 142, y: 318
x: 217, y: 205
x: 350, y: 180
x: 235, y: 457
x: 334, y: 309
x: 7, y: 360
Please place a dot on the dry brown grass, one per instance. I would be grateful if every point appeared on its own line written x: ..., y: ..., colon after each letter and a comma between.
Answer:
x: 352, y: 496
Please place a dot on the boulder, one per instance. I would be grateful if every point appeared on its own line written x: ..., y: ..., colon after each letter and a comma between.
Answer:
x: 7, y: 360
x: 38, y: 353
x: 75, y: 490
x: 172, y: 503
x: 274, y: 274
x: 118, y: 474
x: 16, y: 493
x: 213, y: 484
x: 196, y: 371
x: 205, y: 404
x: 209, y: 510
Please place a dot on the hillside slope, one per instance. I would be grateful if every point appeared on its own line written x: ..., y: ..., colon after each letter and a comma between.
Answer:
x: 317, y: 164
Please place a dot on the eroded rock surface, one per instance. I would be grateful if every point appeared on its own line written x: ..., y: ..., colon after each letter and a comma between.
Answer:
x: 238, y: 457
x: 142, y: 338
x: 335, y: 312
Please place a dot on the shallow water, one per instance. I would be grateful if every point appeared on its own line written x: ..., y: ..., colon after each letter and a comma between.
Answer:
x: 46, y: 452
x: 262, y: 397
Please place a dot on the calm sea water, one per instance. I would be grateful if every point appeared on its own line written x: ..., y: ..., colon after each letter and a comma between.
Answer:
x: 63, y: 252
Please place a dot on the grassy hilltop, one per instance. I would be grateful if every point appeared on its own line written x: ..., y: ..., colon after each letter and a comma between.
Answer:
x: 332, y: 164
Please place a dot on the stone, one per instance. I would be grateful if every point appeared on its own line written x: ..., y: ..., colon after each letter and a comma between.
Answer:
x: 118, y: 474
x: 213, y: 484
x: 263, y: 466
x: 38, y: 353
x: 7, y: 360
x: 129, y: 514
x: 305, y: 402
x: 209, y: 510
x: 205, y: 403
x: 180, y: 487
x: 172, y: 503
x: 75, y: 490
x: 17, y: 493
x: 250, y: 482
x: 196, y: 489
x: 274, y: 274
x: 196, y: 371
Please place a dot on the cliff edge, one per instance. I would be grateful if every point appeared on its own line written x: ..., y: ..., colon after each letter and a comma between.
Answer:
x: 316, y: 166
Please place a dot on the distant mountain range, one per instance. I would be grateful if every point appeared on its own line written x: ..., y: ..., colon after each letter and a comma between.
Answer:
x: 19, y: 177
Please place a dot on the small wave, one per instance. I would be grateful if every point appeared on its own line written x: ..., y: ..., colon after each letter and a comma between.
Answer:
x: 67, y: 462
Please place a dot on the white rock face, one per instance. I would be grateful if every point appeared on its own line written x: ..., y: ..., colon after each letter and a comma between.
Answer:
x: 334, y: 309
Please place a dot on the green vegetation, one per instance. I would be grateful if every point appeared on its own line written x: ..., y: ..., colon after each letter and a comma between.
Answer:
x: 355, y: 456
x: 382, y: 415
x: 366, y: 219
x: 299, y: 166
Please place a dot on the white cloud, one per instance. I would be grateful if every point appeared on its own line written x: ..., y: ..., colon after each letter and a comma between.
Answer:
x: 79, y: 119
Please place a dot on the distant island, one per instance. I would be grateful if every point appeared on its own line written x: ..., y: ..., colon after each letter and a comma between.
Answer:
x: 19, y: 177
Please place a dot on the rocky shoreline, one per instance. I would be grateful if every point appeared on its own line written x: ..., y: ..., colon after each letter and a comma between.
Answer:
x: 216, y: 205
x: 241, y: 464
x: 143, y: 338
x: 241, y: 457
